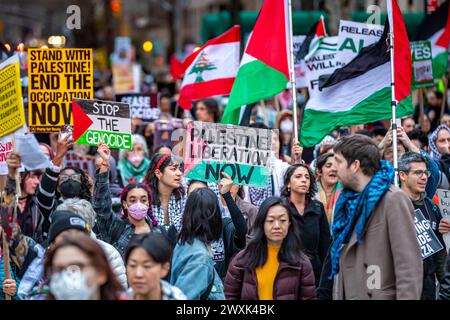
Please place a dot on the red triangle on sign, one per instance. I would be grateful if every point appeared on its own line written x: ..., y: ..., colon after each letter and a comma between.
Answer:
x: 81, y: 122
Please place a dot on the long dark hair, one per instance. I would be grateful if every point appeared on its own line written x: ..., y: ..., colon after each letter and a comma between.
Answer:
x: 202, y: 218
x: 123, y: 198
x: 255, y: 254
x: 111, y: 289
x: 85, y: 192
x: 154, y: 244
x: 287, y: 178
x: 152, y: 181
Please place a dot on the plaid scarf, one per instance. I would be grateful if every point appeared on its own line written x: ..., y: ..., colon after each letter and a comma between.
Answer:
x: 175, y: 212
x: 258, y: 195
x: 354, y: 209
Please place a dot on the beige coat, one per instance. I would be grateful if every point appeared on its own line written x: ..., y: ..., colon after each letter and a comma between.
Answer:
x: 387, y: 265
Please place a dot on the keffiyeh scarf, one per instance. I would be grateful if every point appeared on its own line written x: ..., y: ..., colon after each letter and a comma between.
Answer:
x: 175, y: 211
x: 435, y: 154
x: 353, y: 209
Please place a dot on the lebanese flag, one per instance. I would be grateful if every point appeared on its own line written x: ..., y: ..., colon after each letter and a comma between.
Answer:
x: 360, y: 92
x: 435, y: 27
x: 211, y: 70
x: 176, y: 67
x: 264, y: 70
x: 313, y: 40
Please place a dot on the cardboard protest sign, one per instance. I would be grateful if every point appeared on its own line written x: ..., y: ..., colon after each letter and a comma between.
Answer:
x: 102, y: 121
x: 6, y: 148
x: 444, y: 205
x: 126, y: 78
x: 241, y: 152
x: 142, y: 106
x: 12, y: 115
x: 353, y: 36
x: 299, y: 64
x: 422, y: 64
x: 56, y: 76
x: 429, y: 243
x: 321, y: 63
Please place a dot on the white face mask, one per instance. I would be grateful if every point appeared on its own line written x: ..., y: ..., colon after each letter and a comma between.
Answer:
x: 287, y: 125
x: 71, y: 285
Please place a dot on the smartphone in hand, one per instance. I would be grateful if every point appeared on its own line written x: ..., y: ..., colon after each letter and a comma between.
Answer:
x: 66, y: 130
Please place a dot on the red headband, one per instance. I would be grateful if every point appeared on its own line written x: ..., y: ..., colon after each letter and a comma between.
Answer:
x: 160, y: 162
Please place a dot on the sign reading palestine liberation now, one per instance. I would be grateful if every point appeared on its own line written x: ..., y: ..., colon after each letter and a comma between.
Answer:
x: 102, y: 121
x: 56, y: 76
x: 241, y: 152
x: 12, y: 116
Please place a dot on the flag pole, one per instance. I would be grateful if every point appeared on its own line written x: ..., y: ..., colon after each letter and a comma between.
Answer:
x: 393, y: 101
x: 292, y: 70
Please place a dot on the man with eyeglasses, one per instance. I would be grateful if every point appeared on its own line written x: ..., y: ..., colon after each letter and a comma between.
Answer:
x: 413, y: 175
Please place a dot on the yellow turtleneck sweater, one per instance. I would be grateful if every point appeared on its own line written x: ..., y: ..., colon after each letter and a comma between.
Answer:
x: 266, y: 274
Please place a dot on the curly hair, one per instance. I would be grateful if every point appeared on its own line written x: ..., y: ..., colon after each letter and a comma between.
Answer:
x: 85, y: 192
x: 152, y: 181
x: 123, y: 198
x: 287, y: 178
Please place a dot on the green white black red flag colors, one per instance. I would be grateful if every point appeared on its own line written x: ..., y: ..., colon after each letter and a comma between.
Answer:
x: 97, y: 121
x: 360, y: 92
x: 436, y: 28
x: 313, y: 40
x: 264, y: 69
x: 211, y: 70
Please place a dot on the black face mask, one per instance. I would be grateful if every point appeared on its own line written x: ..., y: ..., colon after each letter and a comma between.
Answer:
x: 70, y: 189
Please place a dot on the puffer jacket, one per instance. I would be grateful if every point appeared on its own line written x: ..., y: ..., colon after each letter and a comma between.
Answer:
x: 115, y: 261
x: 292, y: 282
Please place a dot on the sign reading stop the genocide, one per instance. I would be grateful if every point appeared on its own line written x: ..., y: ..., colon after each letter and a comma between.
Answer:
x: 55, y: 77
x: 102, y: 121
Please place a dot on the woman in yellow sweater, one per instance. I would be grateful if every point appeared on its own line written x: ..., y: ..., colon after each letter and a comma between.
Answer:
x: 273, y: 265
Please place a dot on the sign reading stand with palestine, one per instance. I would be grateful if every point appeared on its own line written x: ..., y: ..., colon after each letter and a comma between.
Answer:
x: 241, y: 152
x: 55, y: 77
x: 102, y: 121
x: 429, y: 243
x: 12, y: 116
x: 142, y: 106
x: 422, y: 64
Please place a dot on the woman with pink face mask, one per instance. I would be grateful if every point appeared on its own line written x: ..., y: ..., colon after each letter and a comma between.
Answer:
x: 137, y: 216
x: 133, y: 164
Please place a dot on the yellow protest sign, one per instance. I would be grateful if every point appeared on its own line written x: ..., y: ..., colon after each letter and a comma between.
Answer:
x: 55, y: 77
x: 12, y: 115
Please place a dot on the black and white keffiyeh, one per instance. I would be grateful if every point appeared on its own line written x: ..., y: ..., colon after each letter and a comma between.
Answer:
x: 175, y: 212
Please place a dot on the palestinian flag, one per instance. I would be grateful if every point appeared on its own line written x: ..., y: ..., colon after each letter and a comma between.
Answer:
x: 313, y: 40
x: 360, y: 92
x: 435, y: 27
x: 264, y: 69
x: 211, y: 70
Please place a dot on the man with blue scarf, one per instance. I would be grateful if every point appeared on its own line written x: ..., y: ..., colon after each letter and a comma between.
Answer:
x: 374, y: 253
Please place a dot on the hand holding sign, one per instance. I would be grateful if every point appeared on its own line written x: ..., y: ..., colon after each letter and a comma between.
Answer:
x: 64, y: 143
x: 103, y: 161
x: 13, y: 160
x: 444, y: 226
x: 225, y: 184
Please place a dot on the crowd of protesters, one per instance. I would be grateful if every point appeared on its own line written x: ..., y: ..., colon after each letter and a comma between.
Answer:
x: 327, y: 220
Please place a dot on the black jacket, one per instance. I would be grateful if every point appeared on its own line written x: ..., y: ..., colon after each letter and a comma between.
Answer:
x: 444, y: 292
x: 234, y: 232
x: 433, y: 267
x: 314, y: 233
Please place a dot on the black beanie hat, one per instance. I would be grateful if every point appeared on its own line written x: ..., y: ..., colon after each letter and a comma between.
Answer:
x: 65, y: 220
